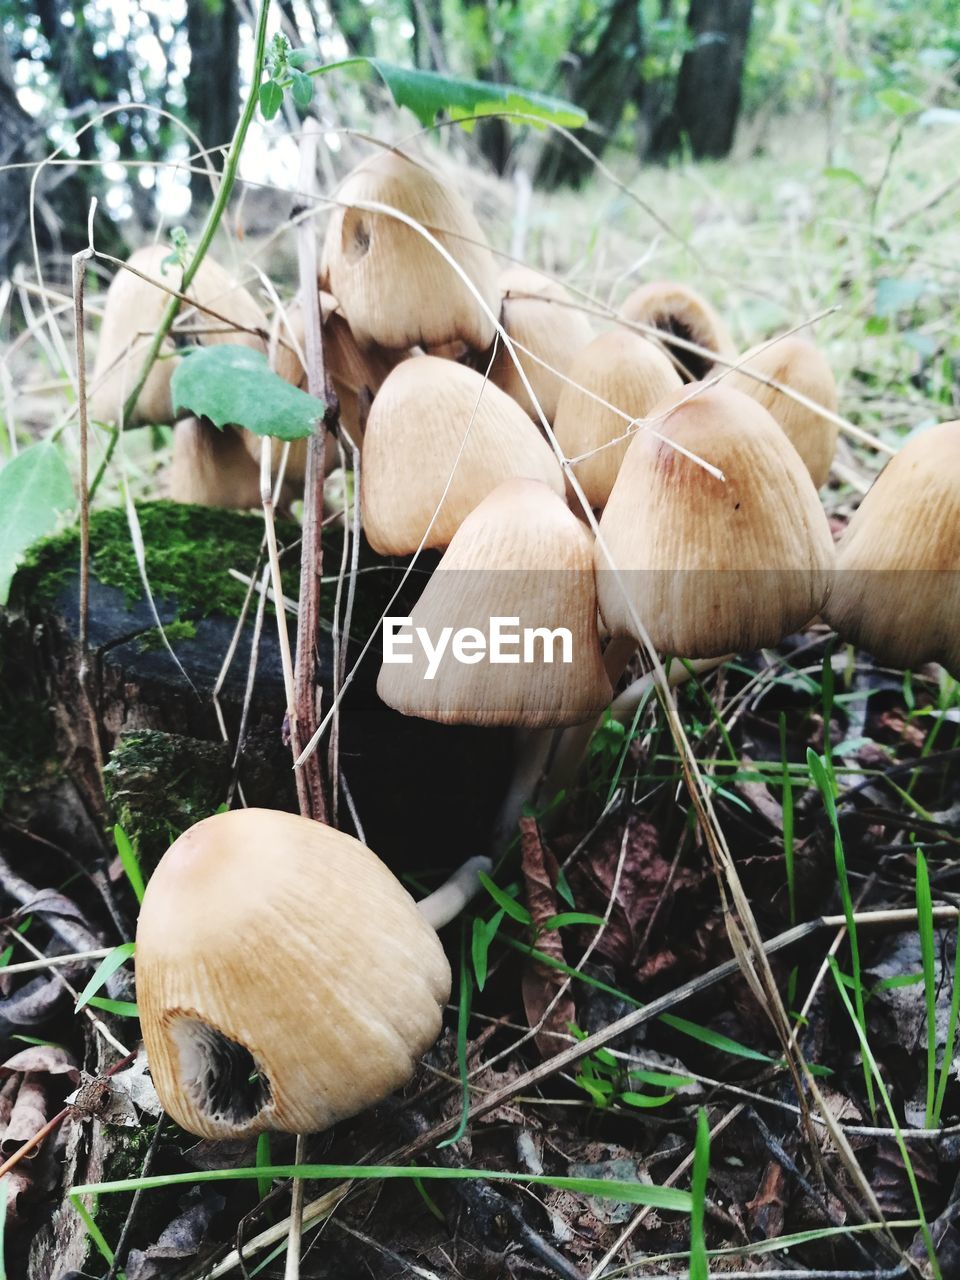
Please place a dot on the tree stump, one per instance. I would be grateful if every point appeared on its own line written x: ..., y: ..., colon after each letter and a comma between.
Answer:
x: 135, y: 737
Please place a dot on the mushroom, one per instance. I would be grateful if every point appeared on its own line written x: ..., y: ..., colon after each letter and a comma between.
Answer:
x: 132, y: 314
x: 897, y: 589
x: 439, y: 438
x: 353, y: 374
x: 517, y: 573
x: 679, y: 311
x: 708, y: 563
x: 802, y: 367
x: 211, y: 467
x: 538, y: 313
x: 614, y: 381
x: 285, y: 978
x: 394, y: 287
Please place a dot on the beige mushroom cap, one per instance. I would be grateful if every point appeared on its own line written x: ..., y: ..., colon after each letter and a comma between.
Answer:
x: 538, y: 314
x: 394, y: 287
x: 679, y: 310
x: 439, y: 439
x: 627, y: 372
x: 524, y: 558
x: 897, y: 588
x: 798, y: 364
x: 132, y: 314
x: 212, y: 468
x: 713, y: 566
x: 285, y: 978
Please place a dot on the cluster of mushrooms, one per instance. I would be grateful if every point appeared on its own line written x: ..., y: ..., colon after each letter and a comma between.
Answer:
x: 641, y: 485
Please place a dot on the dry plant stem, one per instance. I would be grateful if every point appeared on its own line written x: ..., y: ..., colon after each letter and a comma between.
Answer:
x: 309, y: 775
x: 291, y: 1270
x: 273, y: 553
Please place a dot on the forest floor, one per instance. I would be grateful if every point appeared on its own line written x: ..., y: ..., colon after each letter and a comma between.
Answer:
x: 834, y: 783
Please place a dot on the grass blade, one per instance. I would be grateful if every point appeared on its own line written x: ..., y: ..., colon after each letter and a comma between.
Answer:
x: 699, y: 1266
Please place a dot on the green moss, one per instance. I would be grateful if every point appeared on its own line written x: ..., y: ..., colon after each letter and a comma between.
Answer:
x: 174, y: 632
x: 189, y: 552
x: 158, y: 784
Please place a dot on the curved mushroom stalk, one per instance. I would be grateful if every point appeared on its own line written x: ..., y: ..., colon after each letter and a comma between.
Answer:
x: 454, y: 895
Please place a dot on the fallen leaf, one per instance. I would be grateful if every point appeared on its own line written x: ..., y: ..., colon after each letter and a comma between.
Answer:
x: 183, y: 1238
x: 540, y: 984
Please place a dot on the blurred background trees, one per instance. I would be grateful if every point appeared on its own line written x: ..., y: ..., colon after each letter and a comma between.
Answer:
x: 109, y: 81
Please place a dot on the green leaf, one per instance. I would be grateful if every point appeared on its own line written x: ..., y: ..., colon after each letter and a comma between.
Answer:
x: 484, y: 932
x: 129, y: 861
x: 271, y: 96
x: 699, y: 1267
x: 122, y: 1008
x: 713, y: 1038
x: 646, y: 1100
x: 427, y: 94
x: 302, y: 88
x: 571, y: 917
x: 511, y: 906
x: 670, y: 1199
x: 235, y: 386
x: 899, y: 101
x: 663, y: 1079
x: 35, y: 490
x: 298, y: 58
x: 107, y: 967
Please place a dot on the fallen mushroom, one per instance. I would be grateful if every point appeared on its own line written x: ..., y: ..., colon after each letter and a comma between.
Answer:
x: 708, y: 563
x: 514, y: 595
x: 439, y: 438
x: 614, y: 381
x: 132, y: 313
x: 680, y: 312
x: 285, y: 978
x: 799, y: 365
x: 538, y: 314
x: 394, y: 288
x: 897, y: 586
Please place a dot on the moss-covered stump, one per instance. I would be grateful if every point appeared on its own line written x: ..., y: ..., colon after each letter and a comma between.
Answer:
x: 144, y: 719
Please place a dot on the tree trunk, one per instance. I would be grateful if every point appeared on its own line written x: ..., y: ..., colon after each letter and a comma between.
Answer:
x: 213, y: 85
x: 709, y: 86
x: 607, y: 78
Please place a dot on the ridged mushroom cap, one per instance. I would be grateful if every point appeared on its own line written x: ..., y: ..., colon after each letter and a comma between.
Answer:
x: 132, y: 314
x: 713, y: 566
x: 285, y: 978
x: 394, y: 287
x: 897, y: 588
x: 432, y: 420
x: 537, y: 312
x: 211, y: 467
x: 627, y: 372
x: 679, y: 310
x: 351, y: 371
x: 522, y: 556
x: 798, y: 364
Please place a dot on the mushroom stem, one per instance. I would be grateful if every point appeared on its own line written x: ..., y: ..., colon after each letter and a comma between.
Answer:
x: 446, y: 903
x: 533, y: 754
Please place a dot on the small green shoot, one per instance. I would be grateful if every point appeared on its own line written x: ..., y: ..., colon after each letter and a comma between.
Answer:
x: 263, y: 1162
x: 129, y: 861
x: 107, y: 967
x: 699, y: 1266
x: 826, y: 785
x: 928, y: 956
